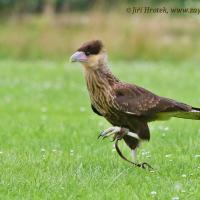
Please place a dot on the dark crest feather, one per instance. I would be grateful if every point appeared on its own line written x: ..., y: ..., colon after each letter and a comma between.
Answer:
x: 91, y: 47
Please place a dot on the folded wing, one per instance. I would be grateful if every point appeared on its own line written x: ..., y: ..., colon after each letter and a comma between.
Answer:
x: 140, y: 102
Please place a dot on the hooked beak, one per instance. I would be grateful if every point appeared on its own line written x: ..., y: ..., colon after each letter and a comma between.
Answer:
x: 78, y: 56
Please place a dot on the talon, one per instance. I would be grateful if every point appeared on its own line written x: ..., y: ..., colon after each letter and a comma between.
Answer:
x: 100, y: 135
x: 145, y: 166
x: 118, y: 132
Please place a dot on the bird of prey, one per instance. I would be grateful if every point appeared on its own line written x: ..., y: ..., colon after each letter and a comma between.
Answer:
x: 128, y: 107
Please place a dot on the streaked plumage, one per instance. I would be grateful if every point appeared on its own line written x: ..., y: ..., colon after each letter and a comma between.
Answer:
x: 123, y: 104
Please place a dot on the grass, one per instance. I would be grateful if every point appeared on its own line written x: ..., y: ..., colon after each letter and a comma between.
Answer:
x: 49, y: 147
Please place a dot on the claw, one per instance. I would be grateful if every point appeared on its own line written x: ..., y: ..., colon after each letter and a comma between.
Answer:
x: 118, y: 133
x: 99, y: 135
x: 109, y: 131
x: 146, y: 166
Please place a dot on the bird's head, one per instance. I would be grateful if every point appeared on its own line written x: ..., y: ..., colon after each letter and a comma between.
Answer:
x: 91, y: 54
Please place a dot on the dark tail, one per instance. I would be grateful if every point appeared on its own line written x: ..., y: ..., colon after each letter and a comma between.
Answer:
x: 197, y: 109
x: 194, y: 114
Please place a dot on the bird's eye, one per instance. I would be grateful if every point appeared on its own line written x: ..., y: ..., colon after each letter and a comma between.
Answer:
x: 87, y: 53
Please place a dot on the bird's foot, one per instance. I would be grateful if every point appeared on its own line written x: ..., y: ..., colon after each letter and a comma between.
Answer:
x: 118, y: 133
x: 145, y: 166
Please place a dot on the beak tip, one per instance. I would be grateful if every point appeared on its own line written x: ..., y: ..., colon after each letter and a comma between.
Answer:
x: 71, y: 59
x: 78, y: 56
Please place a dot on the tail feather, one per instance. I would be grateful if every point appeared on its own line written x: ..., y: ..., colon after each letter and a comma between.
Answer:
x: 193, y: 114
x: 197, y: 109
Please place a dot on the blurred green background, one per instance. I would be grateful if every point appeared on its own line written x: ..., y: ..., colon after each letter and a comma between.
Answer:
x: 53, y: 29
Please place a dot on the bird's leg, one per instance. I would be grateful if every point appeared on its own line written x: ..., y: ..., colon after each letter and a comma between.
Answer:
x: 134, y: 155
x: 118, y: 132
x: 143, y: 165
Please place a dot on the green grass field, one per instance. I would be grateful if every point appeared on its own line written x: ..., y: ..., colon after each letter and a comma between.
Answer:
x: 49, y: 147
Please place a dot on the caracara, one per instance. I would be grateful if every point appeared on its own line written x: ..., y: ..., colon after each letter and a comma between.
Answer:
x: 129, y: 108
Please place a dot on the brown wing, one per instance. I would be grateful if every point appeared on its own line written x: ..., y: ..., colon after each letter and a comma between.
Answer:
x: 138, y: 101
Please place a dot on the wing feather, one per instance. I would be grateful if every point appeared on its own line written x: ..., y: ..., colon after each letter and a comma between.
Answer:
x: 138, y: 101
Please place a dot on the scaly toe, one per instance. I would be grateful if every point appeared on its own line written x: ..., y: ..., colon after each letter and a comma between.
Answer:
x: 108, y: 132
x: 146, y: 166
